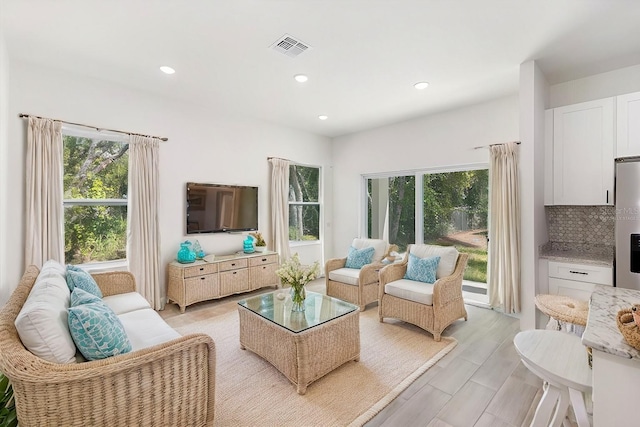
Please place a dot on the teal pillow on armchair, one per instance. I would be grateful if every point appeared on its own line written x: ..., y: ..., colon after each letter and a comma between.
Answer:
x: 358, y: 258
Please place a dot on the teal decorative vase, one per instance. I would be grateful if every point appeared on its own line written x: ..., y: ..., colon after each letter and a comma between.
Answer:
x: 247, y: 245
x: 186, y: 255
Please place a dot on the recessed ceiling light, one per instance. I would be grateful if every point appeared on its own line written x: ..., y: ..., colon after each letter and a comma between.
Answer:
x: 301, y: 78
x: 323, y: 117
x: 421, y: 85
x: 167, y: 70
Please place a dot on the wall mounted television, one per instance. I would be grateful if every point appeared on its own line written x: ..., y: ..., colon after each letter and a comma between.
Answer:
x: 218, y: 208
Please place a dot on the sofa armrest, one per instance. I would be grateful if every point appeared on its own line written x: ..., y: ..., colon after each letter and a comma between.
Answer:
x: 334, y: 264
x: 168, y: 384
x: 115, y: 282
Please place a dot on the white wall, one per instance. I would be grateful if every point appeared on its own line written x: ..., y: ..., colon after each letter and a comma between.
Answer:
x: 604, y: 85
x: 533, y: 94
x: 439, y: 140
x: 5, y: 287
x: 204, y: 146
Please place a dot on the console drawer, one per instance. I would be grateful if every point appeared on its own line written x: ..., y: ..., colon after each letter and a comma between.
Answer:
x: 262, y: 260
x: 232, y: 264
x: 199, y: 270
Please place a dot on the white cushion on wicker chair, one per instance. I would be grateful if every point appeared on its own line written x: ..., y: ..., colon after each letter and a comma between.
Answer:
x: 349, y: 276
x: 124, y: 303
x: 145, y: 328
x: 448, y: 257
x: 380, y: 247
x: 411, y: 290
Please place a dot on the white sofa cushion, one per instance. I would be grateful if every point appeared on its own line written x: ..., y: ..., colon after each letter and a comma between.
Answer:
x: 379, y: 245
x: 125, y: 303
x: 42, y: 321
x: 411, y: 290
x: 448, y: 257
x: 145, y: 328
x: 349, y: 276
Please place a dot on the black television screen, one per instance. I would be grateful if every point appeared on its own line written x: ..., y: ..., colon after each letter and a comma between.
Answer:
x: 217, y: 208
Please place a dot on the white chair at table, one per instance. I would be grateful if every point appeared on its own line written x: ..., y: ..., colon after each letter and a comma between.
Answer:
x: 559, y: 359
x: 358, y: 286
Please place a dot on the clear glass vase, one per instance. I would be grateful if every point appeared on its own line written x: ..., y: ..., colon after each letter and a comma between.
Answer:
x: 298, y: 296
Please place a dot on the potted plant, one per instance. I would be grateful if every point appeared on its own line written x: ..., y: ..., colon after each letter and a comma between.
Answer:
x: 259, y: 242
x: 8, y: 416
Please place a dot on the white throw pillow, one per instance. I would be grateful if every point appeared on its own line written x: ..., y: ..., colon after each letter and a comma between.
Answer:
x: 42, y: 321
x: 448, y: 257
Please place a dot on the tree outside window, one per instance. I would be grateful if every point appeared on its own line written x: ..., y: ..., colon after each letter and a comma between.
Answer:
x: 95, y: 198
x: 304, y: 203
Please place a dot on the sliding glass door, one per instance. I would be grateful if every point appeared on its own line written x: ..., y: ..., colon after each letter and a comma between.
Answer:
x: 445, y: 208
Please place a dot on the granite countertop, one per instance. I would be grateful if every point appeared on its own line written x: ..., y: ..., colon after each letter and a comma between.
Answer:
x: 580, y: 253
x: 602, y: 329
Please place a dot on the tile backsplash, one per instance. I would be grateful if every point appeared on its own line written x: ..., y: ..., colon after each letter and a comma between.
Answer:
x: 583, y: 224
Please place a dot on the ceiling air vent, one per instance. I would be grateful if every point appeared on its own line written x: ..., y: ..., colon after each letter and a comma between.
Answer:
x: 290, y: 46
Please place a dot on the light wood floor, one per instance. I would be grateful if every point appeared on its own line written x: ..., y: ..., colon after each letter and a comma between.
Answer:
x: 480, y: 383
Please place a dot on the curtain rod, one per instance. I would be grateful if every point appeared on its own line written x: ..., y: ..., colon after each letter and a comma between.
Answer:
x: 22, y: 116
x: 269, y: 158
x: 491, y: 145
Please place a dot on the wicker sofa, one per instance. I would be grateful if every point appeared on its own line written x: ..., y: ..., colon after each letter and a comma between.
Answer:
x: 172, y: 383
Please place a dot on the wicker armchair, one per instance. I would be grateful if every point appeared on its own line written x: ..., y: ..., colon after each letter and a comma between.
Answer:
x: 167, y: 384
x: 447, y: 304
x: 357, y: 286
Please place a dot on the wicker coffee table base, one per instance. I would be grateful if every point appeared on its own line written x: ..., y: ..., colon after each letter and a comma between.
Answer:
x: 305, y: 356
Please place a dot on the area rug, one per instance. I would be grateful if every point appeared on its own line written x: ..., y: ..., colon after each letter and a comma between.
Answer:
x: 251, y: 392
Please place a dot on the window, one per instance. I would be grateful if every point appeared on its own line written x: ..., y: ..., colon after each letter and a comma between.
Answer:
x: 452, y: 209
x: 304, y: 203
x: 96, y: 170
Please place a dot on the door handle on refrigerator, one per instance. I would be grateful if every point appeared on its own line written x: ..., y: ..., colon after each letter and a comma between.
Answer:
x: 607, y: 196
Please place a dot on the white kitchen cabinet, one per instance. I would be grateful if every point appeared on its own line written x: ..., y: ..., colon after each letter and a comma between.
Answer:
x: 583, y: 153
x: 577, y: 280
x: 628, y: 125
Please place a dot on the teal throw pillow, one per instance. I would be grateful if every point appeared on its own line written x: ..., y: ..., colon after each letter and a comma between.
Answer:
x: 79, y: 296
x: 358, y: 258
x: 97, y: 331
x: 83, y: 280
x: 422, y: 269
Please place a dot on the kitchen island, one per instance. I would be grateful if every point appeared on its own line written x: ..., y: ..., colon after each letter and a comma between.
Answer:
x: 616, y: 365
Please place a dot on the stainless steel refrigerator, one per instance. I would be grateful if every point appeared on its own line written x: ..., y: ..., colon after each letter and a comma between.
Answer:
x: 627, y: 200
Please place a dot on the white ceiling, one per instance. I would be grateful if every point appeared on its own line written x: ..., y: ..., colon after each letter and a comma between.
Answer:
x: 365, y: 57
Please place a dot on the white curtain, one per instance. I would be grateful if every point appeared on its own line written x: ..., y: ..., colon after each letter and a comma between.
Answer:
x: 143, y: 234
x: 504, y: 228
x: 44, y: 238
x: 279, y: 240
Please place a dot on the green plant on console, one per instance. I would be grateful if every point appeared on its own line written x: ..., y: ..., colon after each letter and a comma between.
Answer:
x: 8, y: 417
x: 259, y: 239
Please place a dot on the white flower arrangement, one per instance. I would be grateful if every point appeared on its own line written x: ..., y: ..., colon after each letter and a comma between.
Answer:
x: 296, y: 275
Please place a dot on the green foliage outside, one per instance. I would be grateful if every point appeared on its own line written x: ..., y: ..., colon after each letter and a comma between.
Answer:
x: 95, y: 170
x: 452, y: 202
x: 8, y: 417
x: 304, y: 187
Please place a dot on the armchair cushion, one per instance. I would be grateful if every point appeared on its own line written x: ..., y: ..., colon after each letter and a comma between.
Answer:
x: 126, y: 302
x: 411, y: 290
x: 349, y: 276
x: 422, y: 269
x: 380, y: 247
x: 448, y: 257
x: 358, y: 258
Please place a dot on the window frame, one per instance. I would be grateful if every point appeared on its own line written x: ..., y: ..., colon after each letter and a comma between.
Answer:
x: 419, y: 192
x: 319, y: 203
x: 82, y: 132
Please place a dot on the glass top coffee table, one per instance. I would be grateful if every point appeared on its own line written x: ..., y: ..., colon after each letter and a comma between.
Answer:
x: 306, y: 345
